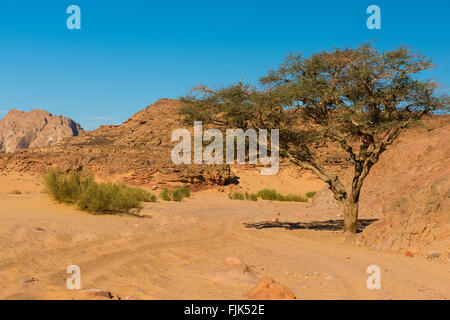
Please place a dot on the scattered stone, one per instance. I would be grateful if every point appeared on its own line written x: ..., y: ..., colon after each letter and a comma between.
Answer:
x: 433, y: 256
x: 268, y: 289
x: 97, y: 293
x: 274, y: 220
x: 232, y: 261
x: 409, y: 254
x: 27, y: 280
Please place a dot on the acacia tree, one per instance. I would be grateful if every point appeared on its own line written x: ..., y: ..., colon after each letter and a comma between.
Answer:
x: 359, y: 99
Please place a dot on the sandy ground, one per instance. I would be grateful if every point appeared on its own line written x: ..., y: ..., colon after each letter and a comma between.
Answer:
x: 166, y: 253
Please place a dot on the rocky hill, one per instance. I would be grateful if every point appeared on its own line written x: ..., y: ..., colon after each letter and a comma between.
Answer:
x: 34, y: 129
x: 136, y: 152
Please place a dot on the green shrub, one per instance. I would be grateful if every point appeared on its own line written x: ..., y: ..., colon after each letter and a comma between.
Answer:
x: 82, y: 190
x: 272, y: 195
x: 242, y: 196
x: 66, y: 187
x: 295, y: 198
x: 186, y: 191
x: 177, y: 194
x: 311, y: 194
x: 251, y: 196
x: 269, y: 194
x: 236, y: 196
x: 164, y: 194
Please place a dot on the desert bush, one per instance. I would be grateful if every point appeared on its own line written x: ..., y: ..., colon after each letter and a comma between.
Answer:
x: 269, y: 194
x: 294, y: 198
x: 81, y: 189
x: 66, y: 187
x: 16, y: 192
x: 251, y: 196
x: 311, y: 194
x: 236, y: 196
x: 186, y: 191
x: 164, y: 194
x: 242, y: 196
x: 177, y: 194
x: 273, y: 195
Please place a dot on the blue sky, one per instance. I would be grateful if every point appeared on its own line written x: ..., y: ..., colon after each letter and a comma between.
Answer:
x: 130, y: 53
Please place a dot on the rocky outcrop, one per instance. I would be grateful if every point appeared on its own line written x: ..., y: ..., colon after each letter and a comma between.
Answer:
x: 269, y: 289
x: 419, y: 223
x: 34, y: 129
x: 324, y: 200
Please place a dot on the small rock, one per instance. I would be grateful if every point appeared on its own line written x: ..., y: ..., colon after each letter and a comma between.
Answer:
x: 268, y: 289
x: 232, y: 261
x: 409, y: 254
x: 97, y: 293
x: 347, y: 257
x: 274, y: 220
x: 433, y: 256
x: 27, y: 280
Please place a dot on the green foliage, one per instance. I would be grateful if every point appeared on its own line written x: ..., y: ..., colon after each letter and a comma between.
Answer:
x: 88, y: 195
x: 236, y: 196
x: 66, y: 187
x: 311, y: 194
x: 242, y: 196
x: 165, y: 194
x: 177, y: 194
x: 269, y: 194
x: 273, y: 195
x: 185, y: 192
x: 251, y: 196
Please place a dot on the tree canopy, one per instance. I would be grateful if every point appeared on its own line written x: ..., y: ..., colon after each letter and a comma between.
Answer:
x: 359, y: 98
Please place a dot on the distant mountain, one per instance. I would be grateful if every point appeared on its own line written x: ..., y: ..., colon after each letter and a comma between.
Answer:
x: 34, y: 129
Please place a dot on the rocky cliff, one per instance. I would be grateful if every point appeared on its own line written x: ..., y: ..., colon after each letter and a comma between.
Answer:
x: 34, y: 129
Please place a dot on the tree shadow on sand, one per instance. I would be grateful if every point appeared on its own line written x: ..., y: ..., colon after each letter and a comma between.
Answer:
x: 328, y: 225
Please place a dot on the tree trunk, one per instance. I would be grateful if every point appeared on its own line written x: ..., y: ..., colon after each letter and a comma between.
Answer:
x: 350, y: 214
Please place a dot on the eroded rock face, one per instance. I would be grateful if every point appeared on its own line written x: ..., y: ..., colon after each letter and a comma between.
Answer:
x: 418, y: 223
x: 34, y: 129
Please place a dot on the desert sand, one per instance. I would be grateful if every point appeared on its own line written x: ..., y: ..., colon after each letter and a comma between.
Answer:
x: 171, y: 251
